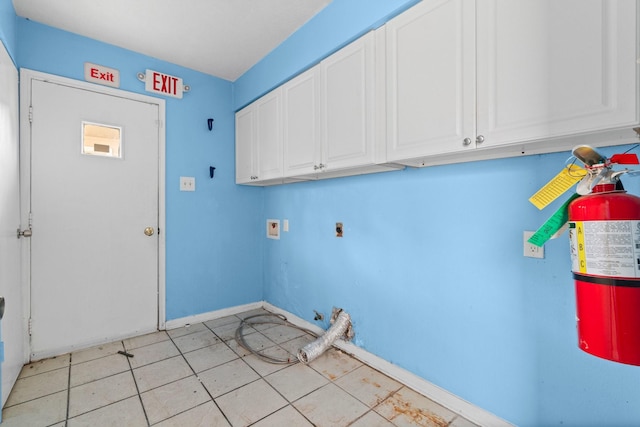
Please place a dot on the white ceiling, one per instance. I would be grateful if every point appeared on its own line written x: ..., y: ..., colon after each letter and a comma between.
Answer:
x: 223, y: 38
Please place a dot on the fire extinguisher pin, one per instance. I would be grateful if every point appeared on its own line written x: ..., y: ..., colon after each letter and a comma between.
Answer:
x: 600, y: 168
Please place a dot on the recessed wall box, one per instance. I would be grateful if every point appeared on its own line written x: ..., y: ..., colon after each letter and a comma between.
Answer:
x: 273, y: 228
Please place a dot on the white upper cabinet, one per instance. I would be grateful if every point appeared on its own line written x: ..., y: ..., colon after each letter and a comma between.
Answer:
x: 259, y: 141
x: 549, y: 68
x: 245, y: 145
x: 330, y: 121
x: 450, y: 81
x: 507, y: 76
x: 301, y: 124
x: 269, y: 136
x: 347, y: 106
x: 431, y: 79
x: 324, y: 123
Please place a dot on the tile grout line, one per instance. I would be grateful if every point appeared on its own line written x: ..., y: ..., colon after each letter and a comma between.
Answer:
x: 242, y: 354
x: 331, y: 381
x: 254, y: 370
x: 378, y: 402
x: 261, y: 377
x: 268, y: 383
x: 198, y: 377
x: 287, y: 400
x: 99, y: 379
x: 36, y: 398
x: 144, y: 411
x: 66, y: 418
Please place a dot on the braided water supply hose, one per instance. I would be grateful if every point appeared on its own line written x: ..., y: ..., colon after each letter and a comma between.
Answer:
x: 265, y: 319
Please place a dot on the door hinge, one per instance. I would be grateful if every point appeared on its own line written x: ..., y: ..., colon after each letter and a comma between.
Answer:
x: 30, y: 114
x: 30, y: 326
x: 159, y: 124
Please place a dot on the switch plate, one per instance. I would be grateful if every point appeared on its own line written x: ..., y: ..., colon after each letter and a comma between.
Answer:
x: 285, y: 225
x: 187, y: 183
x: 530, y: 250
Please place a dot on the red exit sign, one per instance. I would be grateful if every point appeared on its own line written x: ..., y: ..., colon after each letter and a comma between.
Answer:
x: 102, y: 75
x: 163, y: 84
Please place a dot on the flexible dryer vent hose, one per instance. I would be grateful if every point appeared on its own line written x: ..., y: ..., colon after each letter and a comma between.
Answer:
x: 340, y: 328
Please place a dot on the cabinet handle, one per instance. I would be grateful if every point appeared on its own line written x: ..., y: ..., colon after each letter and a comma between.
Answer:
x: 466, y: 141
x: 479, y: 139
x: 316, y: 167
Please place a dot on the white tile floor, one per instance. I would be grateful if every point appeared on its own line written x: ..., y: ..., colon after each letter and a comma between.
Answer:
x: 200, y: 376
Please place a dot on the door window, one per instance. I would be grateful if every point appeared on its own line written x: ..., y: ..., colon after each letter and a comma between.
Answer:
x: 101, y: 140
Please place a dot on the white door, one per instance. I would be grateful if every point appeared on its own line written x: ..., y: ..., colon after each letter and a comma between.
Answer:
x: 94, y: 210
x: 12, y: 334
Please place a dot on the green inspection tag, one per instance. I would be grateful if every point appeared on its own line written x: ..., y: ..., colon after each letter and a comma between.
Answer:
x: 553, y: 224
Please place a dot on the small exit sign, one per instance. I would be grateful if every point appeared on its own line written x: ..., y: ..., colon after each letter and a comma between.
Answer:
x: 102, y: 75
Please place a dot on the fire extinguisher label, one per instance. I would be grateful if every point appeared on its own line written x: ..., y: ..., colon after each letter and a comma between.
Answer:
x: 605, y: 248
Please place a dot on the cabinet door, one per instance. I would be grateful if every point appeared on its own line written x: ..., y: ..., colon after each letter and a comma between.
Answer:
x: 431, y: 79
x: 268, y: 154
x: 301, y: 123
x: 245, y: 144
x: 550, y: 68
x: 348, y: 102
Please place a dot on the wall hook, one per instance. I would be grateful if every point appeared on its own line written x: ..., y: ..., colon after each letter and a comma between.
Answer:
x: 210, y: 124
x: 211, y: 171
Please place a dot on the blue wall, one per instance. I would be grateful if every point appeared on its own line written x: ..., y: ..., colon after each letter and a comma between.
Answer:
x: 431, y: 267
x: 8, y: 27
x: 341, y: 22
x: 213, y: 235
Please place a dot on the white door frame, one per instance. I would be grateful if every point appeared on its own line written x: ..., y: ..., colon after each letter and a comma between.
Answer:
x: 26, y: 76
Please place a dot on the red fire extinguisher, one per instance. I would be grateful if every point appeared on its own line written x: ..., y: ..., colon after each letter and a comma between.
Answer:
x: 604, y: 233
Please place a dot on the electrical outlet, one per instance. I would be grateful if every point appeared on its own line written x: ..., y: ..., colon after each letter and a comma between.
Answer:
x: 531, y: 250
x: 187, y: 183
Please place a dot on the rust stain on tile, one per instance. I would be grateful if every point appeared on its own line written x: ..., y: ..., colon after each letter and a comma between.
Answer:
x: 418, y: 416
x: 367, y: 381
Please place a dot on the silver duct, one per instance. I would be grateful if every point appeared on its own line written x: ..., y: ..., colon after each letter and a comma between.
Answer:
x: 341, y: 327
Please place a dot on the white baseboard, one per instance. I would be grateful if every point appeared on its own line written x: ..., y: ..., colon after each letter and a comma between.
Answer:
x: 449, y: 400
x: 205, y: 317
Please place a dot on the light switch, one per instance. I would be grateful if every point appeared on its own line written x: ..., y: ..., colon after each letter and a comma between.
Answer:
x: 187, y: 183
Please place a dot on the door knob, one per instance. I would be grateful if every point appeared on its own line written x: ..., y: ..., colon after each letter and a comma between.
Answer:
x: 25, y: 233
x: 149, y: 231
